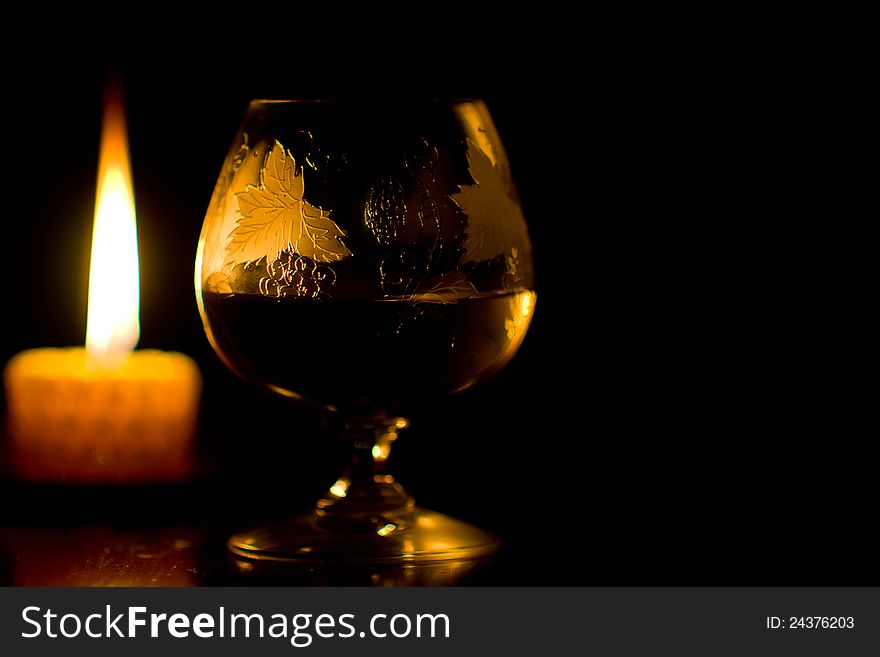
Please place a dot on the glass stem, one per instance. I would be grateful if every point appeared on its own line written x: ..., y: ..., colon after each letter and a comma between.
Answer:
x: 366, y: 496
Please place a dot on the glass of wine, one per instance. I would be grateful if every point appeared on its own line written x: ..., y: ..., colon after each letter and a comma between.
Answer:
x: 365, y: 259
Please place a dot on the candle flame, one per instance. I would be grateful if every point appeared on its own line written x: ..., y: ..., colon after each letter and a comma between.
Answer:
x: 112, y: 327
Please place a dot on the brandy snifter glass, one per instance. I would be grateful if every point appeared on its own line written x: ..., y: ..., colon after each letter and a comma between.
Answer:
x: 365, y: 259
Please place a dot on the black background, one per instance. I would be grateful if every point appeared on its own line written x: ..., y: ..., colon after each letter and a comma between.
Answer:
x: 690, y: 405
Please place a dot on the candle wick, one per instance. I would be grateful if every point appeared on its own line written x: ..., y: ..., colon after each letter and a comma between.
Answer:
x: 105, y: 359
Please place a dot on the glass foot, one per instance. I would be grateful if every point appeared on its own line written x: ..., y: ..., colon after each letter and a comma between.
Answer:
x: 453, y: 572
x: 415, y: 536
x: 366, y: 518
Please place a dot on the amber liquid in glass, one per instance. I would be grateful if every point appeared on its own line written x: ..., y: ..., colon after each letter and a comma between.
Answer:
x: 376, y: 357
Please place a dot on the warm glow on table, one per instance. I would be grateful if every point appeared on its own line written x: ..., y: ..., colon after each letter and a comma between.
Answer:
x: 105, y: 413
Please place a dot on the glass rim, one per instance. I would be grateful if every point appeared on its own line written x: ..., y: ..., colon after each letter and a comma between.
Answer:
x: 367, y: 101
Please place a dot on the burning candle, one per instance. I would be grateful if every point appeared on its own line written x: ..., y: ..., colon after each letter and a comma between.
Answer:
x: 105, y: 413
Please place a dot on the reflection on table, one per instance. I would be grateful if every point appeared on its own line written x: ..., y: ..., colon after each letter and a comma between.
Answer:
x: 99, y: 557
x: 179, y: 557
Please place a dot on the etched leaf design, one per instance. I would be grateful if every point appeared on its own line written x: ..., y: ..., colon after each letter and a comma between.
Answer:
x: 274, y: 218
x: 495, y: 221
x: 218, y: 282
x: 446, y: 288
